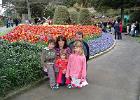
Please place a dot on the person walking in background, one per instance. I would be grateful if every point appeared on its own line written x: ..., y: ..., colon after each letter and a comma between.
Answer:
x: 127, y: 29
x: 48, y: 57
x: 137, y: 28
x: 121, y: 27
x: 121, y: 30
x: 132, y: 32
x: 16, y: 21
x: 7, y: 22
x: 117, y: 31
x: 76, y: 69
x: 11, y: 22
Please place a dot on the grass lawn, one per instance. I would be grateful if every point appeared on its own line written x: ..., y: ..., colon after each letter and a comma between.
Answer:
x: 2, y: 33
x: 5, y: 31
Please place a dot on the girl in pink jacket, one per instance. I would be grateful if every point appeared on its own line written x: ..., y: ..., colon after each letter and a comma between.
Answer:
x: 76, y: 69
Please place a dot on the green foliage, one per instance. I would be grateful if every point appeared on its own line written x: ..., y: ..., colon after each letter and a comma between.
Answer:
x: 117, y: 3
x: 69, y: 3
x: 1, y: 23
x: 49, y: 11
x: 84, y: 17
x: 19, y: 65
x: 73, y: 15
x: 61, y: 16
x: 135, y: 16
x: 37, y: 10
x: 84, y: 3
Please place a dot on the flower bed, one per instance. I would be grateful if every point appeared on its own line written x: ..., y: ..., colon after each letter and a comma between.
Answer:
x: 34, y: 34
x: 100, y: 44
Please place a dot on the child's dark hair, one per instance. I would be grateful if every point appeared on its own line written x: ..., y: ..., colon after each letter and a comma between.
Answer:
x: 51, y: 41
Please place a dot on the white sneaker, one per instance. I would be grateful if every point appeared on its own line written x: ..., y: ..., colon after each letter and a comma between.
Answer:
x: 84, y: 83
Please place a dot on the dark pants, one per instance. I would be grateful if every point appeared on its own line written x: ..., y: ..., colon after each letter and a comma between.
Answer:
x: 118, y: 35
x: 7, y: 25
x: 63, y: 80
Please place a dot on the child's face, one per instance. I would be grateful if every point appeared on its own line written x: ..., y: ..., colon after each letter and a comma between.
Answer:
x: 63, y: 56
x: 78, y: 37
x: 77, y: 49
x: 51, y: 45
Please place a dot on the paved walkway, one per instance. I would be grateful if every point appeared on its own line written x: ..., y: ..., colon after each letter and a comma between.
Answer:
x: 4, y: 30
x: 113, y: 76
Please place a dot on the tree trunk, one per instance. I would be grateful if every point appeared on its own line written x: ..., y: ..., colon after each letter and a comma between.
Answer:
x: 29, y: 10
x: 122, y: 11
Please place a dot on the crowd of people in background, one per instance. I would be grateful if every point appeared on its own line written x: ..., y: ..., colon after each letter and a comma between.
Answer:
x: 116, y: 27
x: 10, y: 22
x: 133, y: 29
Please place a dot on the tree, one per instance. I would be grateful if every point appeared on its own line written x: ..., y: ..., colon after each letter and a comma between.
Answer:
x: 84, y: 17
x: 27, y: 6
x: 69, y: 3
x: 115, y: 4
x: 74, y: 15
x: 135, y: 16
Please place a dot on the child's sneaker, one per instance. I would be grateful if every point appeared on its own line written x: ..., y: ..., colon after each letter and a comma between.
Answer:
x: 79, y: 86
x: 55, y: 87
x: 69, y: 86
x: 84, y: 83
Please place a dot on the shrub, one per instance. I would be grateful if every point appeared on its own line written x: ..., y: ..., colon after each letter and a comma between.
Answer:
x: 49, y: 12
x: 19, y: 65
x: 84, y: 17
x: 73, y: 16
x: 1, y: 23
x: 61, y: 16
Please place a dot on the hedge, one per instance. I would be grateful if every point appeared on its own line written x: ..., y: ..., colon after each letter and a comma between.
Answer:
x: 19, y: 65
x: 61, y: 16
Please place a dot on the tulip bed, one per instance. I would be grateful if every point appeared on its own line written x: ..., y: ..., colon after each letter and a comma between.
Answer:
x: 34, y: 34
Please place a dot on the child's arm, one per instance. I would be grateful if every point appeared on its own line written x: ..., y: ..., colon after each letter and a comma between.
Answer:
x: 43, y: 58
x: 57, y: 63
x: 84, y: 72
x: 68, y: 68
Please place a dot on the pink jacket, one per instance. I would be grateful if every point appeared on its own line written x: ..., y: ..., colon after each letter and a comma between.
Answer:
x: 76, y: 66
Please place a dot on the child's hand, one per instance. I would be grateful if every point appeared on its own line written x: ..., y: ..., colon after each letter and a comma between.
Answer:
x: 64, y: 71
x: 60, y: 66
